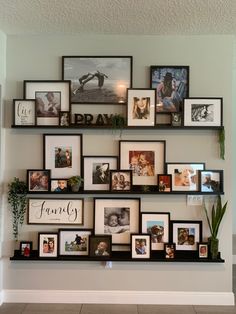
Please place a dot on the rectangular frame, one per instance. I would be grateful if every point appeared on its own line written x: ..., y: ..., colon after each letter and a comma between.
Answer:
x: 24, y: 112
x: 141, y: 107
x: 169, y: 249
x: 107, y: 78
x: 123, y: 215
x: 59, y: 186
x: 100, y: 246
x: 26, y: 248
x: 48, y: 244
x: 203, y: 250
x: 120, y: 180
x: 172, y: 85
x: 63, y: 154
x: 164, y: 183
x: 64, y: 118
x: 140, y: 246
x: 203, y: 112
x: 38, y: 180
x: 158, y: 226
x: 211, y: 181
x: 46, y: 211
x: 47, y: 108
x: 145, y: 158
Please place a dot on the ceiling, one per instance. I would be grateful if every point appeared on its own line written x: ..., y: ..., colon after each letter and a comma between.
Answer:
x: 145, y: 17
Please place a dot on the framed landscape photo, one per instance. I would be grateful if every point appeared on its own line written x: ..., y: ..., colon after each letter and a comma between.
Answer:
x: 185, y: 176
x: 100, y: 246
x: 120, y: 180
x: 211, y: 181
x: 26, y: 248
x: 164, y: 182
x: 186, y: 234
x: 59, y: 185
x: 48, y: 244
x: 169, y: 249
x: 98, y: 79
x: 145, y: 158
x: 141, y: 107
x: 203, y: 250
x: 38, y: 180
x: 157, y: 225
x: 203, y: 112
x: 74, y: 242
x: 140, y: 246
x: 50, y: 97
x: 172, y: 86
x: 116, y: 217
x: 62, y: 154
x: 97, y: 172
x: 24, y: 112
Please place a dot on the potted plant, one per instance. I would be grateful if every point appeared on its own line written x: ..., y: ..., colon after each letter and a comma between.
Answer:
x: 75, y: 183
x: 217, y: 213
x: 17, y: 192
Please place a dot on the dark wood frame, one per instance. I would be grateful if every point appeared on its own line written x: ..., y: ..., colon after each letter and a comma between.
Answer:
x: 100, y: 238
x: 176, y: 124
x: 54, y: 234
x: 44, y: 171
x: 221, y: 181
x: 14, y: 112
x: 69, y: 118
x: 21, y: 248
x: 140, y: 256
x: 59, y: 192
x: 207, y: 255
x: 158, y: 180
x: 120, y: 171
x: 166, y: 245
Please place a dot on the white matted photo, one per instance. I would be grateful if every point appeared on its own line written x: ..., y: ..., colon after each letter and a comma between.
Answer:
x: 74, y: 242
x: 48, y: 244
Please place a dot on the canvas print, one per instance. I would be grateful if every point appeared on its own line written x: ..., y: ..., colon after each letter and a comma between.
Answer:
x: 48, y: 104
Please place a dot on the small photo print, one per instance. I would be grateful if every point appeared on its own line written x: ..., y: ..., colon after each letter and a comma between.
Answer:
x: 141, y: 247
x: 26, y: 248
x: 121, y: 180
x: 116, y: 220
x: 211, y: 181
x: 142, y: 163
x: 48, y: 244
x: 203, y: 250
x: 64, y: 118
x: 169, y: 249
x: 63, y: 157
x: 164, y: 182
x: 38, y: 180
x: 100, y: 173
x: 176, y: 119
x: 59, y: 185
x: 100, y: 246
x: 48, y: 104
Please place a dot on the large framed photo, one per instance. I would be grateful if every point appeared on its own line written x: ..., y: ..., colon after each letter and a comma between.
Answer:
x: 172, y: 86
x: 24, y: 112
x: 145, y: 158
x: 120, y: 180
x: 185, y: 176
x: 74, y: 242
x: 116, y: 217
x: 186, y: 234
x: 51, y: 97
x: 140, y: 246
x: 98, y: 79
x: 48, y: 244
x: 55, y: 211
x: 97, y: 172
x: 38, y: 180
x: 62, y: 154
x: 203, y: 112
x: 100, y: 246
x: 157, y: 225
x: 211, y: 181
x: 141, y: 107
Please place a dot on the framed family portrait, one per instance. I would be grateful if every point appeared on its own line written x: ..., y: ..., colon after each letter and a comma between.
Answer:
x: 48, y: 244
x: 211, y: 181
x: 203, y: 112
x: 38, y: 180
x: 140, y: 246
x: 62, y: 154
x: 74, y: 242
x: 172, y: 86
x: 141, y: 107
x: 98, y: 79
x: 59, y: 185
x: 157, y: 225
x: 100, y: 246
x: 164, y: 182
x: 120, y: 180
x: 97, y: 172
x: 51, y: 97
x: 186, y: 234
x: 185, y: 176
x: 116, y: 217
x: 26, y: 248
x: 145, y: 158
x: 24, y: 112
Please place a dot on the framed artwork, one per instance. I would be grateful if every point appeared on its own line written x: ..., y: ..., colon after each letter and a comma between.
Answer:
x: 24, y: 112
x: 145, y: 158
x: 74, y: 242
x: 186, y: 234
x: 48, y: 244
x: 203, y: 112
x: 176, y: 119
x: 98, y: 79
x: 141, y: 107
x: 140, y: 246
x: 47, y: 211
x: 26, y: 248
x: 116, y: 217
x: 64, y: 118
x: 164, y: 182
x: 169, y: 249
x: 97, y: 172
x: 203, y: 250
x: 100, y: 246
x: 59, y: 185
x: 157, y: 225
x: 185, y: 176
x: 211, y: 181
x: 120, y: 180
x: 50, y: 97
x: 172, y: 86
x: 62, y: 154
x: 38, y: 180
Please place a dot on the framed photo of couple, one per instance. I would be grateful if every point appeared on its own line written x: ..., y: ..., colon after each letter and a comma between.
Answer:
x: 48, y: 244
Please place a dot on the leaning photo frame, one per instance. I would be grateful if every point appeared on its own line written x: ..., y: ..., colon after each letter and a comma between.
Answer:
x: 24, y: 112
x: 211, y: 181
x: 48, y: 244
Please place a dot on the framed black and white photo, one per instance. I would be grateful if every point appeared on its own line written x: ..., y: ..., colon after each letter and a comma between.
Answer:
x: 140, y: 246
x: 64, y: 118
x: 176, y: 118
x: 116, y: 217
x: 38, y: 180
x: 62, y: 154
x: 97, y: 172
x: 74, y: 242
x: 24, y: 112
x: 48, y: 244
x: 26, y: 248
x: 100, y: 246
x: 120, y: 180
x: 172, y: 86
x: 141, y: 107
x: 145, y: 158
x: 59, y: 185
x: 203, y: 112
x: 98, y: 79
x: 211, y: 181
x: 50, y: 97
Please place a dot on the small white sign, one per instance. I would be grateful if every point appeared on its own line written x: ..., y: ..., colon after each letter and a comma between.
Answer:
x: 194, y: 200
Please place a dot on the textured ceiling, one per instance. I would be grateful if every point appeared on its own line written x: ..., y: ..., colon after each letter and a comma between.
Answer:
x: 160, y: 17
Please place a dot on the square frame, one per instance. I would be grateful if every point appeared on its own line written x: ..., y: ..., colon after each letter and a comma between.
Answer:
x: 112, y: 76
x: 211, y: 181
x: 164, y: 183
x: 59, y: 186
x: 48, y: 244
x: 120, y: 180
x: 26, y: 248
x: 140, y: 246
x: 38, y: 180
x: 169, y: 249
x: 203, y: 250
x: 24, y: 112
x: 100, y: 246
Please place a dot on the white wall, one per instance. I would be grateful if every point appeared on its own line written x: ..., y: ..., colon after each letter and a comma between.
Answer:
x: 210, y: 61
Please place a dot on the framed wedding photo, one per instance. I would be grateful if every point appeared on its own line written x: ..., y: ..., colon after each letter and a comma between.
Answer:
x: 203, y: 112
x: 74, y: 242
x: 120, y: 180
x: 48, y: 244
x: 26, y: 248
x: 24, y: 112
x: 164, y: 183
x: 140, y: 246
x: 172, y: 86
x: 100, y: 246
x: 98, y: 79
x: 211, y: 181
x: 141, y: 107
x: 38, y: 180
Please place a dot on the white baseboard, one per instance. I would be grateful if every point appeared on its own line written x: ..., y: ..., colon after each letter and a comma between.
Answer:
x: 118, y: 297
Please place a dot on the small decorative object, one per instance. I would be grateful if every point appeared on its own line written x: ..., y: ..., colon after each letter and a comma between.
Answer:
x: 64, y: 118
x: 140, y: 246
x: 24, y: 112
x: 75, y: 183
x: 26, y: 248
x: 120, y: 180
x: 169, y: 249
x: 203, y: 250
x: 48, y: 244
x: 100, y: 246
x: 217, y: 213
x: 59, y: 185
x: 38, y: 180
x: 211, y: 181
x: 118, y: 122
x: 74, y: 242
x: 164, y: 183
x: 176, y: 119
x: 17, y: 192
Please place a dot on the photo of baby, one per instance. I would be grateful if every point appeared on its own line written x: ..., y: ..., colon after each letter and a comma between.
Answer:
x: 116, y: 220
x: 142, y: 163
x: 100, y: 246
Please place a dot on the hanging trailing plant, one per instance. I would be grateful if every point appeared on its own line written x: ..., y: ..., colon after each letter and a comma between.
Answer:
x: 222, y: 143
x: 117, y: 122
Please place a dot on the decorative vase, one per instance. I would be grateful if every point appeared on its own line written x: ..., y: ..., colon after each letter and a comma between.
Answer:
x: 214, y: 247
x: 75, y: 187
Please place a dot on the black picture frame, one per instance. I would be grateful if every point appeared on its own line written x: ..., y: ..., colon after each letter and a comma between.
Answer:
x: 59, y: 185
x: 203, y: 250
x: 26, y: 248
x: 24, y: 112
x: 120, y: 180
x: 48, y: 244
x: 211, y: 181
x: 100, y: 246
x: 140, y: 246
x: 64, y: 118
x: 169, y: 249
x: 38, y: 180
x: 164, y: 183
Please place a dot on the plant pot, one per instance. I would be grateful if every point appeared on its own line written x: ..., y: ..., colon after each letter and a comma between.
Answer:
x: 214, y: 247
x: 75, y: 187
